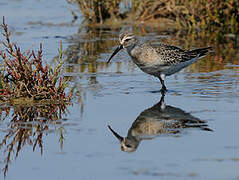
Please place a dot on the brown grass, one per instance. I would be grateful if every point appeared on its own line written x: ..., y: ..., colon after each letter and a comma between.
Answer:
x: 203, y: 14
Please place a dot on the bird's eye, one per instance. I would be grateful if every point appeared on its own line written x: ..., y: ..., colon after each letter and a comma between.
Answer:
x: 128, y: 146
x: 127, y: 40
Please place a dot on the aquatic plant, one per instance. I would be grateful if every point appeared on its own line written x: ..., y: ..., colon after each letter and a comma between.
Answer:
x: 224, y: 49
x: 37, y: 93
x: 97, y: 11
x: 27, y: 126
x: 203, y: 14
x: 24, y: 78
x: 86, y: 54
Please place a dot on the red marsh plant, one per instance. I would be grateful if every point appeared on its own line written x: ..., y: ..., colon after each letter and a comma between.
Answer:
x: 24, y: 78
x: 37, y: 92
x: 27, y: 127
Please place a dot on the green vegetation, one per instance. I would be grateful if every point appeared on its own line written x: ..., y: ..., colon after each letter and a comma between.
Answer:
x: 192, y: 14
x: 24, y: 79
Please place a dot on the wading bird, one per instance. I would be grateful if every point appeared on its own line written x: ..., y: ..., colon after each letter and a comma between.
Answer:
x: 160, y: 61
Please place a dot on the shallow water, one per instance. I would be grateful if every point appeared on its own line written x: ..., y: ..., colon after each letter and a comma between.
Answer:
x: 201, y: 111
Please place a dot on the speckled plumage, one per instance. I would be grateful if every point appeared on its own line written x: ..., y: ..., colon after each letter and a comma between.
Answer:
x: 161, y: 60
x: 158, y: 120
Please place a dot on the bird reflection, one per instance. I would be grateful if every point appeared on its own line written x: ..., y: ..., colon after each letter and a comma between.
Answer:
x: 156, y: 120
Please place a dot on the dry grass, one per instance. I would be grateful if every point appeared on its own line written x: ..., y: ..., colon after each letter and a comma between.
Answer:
x: 97, y: 11
x: 203, y: 14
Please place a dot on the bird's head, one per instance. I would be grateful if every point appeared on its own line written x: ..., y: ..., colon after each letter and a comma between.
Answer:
x: 127, y: 40
x: 126, y: 144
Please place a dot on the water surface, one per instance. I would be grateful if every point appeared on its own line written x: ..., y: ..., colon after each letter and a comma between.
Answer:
x: 77, y: 144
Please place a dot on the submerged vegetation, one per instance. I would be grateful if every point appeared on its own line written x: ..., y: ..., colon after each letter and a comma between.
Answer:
x: 98, y: 41
x: 193, y: 24
x: 87, y: 54
x: 27, y: 126
x: 203, y: 14
x: 37, y: 92
x: 24, y: 78
x: 37, y: 95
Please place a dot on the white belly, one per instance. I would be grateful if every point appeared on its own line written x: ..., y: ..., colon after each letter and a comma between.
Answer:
x: 156, y: 70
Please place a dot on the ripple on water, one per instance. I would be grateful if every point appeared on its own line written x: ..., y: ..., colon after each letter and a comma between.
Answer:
x: 118, y: 93
x: 221, y: 84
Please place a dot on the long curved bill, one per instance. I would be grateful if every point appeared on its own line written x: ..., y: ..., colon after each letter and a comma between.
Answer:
x: 115, y: 52
x: 120, y: 138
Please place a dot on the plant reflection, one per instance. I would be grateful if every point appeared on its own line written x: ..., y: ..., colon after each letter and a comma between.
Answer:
x: 157, y: 120
x: 224, y: 46
x: 27, y: 126
x: 91, y: 46
x: 89, y: 50
x: 91, y: 42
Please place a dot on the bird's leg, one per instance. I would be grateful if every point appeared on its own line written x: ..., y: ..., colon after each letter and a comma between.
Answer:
x: 163, y: 89
x: 162, y: 103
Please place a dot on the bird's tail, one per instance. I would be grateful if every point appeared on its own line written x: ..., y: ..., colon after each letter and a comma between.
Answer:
x: 201, y: 51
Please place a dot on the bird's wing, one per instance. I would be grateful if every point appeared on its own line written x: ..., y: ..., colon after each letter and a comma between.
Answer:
x: 172, y: 55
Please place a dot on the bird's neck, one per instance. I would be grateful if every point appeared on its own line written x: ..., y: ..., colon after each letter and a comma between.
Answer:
x: 130, y: 48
